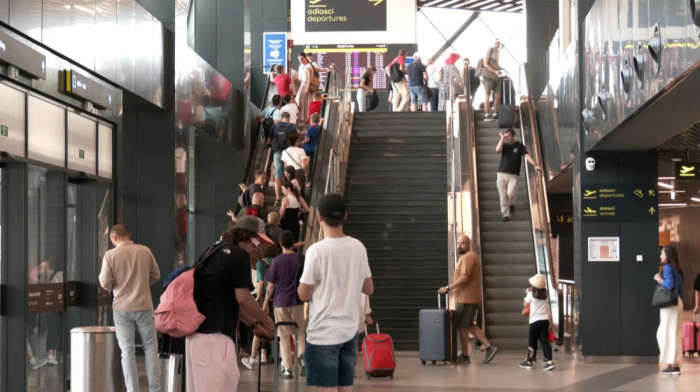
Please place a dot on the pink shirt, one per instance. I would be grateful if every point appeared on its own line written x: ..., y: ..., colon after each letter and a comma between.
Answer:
x: 282, y: 82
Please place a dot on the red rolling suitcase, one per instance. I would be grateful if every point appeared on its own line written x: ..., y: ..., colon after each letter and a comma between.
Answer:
x: 691, y: 335
x: 378, y: 354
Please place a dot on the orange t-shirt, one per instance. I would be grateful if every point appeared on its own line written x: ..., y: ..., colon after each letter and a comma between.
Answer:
x: 469, y: 292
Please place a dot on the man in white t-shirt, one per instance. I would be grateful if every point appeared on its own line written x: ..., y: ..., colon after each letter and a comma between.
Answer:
x: 336, y: 271
x: 294, y: 155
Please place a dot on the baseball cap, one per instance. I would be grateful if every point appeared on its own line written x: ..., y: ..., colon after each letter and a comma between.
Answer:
x: 332, y: 207
x: 254, y: 224
x: 416, y: 55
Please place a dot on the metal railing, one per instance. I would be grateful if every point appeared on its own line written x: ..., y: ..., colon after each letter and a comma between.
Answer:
x: 539, y: 207
x: 333, y: 148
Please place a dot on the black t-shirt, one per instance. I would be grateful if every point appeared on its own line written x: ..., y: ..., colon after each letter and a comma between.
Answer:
x: 215, y: 285
x: 415, y: 74
x: 511, y: 156
x: 368, y: 80
x: 697, y: 283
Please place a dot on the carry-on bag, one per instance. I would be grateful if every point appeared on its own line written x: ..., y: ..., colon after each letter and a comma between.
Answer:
x: 172, y: 363
x: 437, y: 334
x: 691, y: 335
x: 378, y: 354
x: 507, y: 112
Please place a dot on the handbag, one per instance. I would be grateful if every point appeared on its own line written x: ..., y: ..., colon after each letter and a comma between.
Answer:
x: 664, y: 298
x: 314, y: 82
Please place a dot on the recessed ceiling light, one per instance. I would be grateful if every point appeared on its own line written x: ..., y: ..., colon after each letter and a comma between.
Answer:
x: 695, y: 199
x: 673, y: 204
x: 676, y: 159
x: 665, y: 185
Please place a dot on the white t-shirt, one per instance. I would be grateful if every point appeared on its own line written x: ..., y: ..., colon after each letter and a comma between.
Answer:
x: 294, y: 156
x: 302, y: 72
x: 337, y: 268
x: 539, y: 308
x: 293, y: 110
x: 363, y: 310
x: 434, y: 74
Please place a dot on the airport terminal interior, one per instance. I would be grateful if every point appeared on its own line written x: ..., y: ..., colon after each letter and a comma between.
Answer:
x: 147, y: 113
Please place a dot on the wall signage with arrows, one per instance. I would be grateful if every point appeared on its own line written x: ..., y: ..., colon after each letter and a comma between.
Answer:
x: 619, y: 202
x: 345, y: 15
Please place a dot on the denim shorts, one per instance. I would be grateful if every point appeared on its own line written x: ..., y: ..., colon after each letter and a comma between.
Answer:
x: 418, y: 93
x: 278, y: 165
x: 332, y: 365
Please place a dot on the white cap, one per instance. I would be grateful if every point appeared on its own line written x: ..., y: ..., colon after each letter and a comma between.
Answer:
x: 416, y: 56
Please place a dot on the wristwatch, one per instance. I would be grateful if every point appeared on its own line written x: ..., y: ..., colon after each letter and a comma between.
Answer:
x: 447, y: 288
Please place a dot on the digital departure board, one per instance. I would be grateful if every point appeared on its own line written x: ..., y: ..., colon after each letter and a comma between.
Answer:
x: 355, y: 57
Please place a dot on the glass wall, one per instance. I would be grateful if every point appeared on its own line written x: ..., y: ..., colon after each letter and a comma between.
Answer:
x: 46, y: 250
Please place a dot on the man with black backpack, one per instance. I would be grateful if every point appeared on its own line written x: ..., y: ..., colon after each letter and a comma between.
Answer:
x: 271, y: 115
x: 277, y: 139
x: 396, y: 70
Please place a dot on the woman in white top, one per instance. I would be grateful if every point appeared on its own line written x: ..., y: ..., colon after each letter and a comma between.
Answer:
x: 292, y: 206
x: 295, y: 155
x: 434, y: 78
x: 303, y: 95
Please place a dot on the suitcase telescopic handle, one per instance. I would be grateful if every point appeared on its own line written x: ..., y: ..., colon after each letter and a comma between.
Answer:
x: 447, y: 300
x: 376, y: 324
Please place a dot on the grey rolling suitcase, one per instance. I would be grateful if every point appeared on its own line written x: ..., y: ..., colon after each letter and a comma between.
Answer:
x: 437, y: 334
x: 507, y: 113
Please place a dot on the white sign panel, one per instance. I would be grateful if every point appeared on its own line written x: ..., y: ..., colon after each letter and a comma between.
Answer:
x: 603, y: 249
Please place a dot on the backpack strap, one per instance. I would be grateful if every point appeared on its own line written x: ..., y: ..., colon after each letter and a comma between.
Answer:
x: 213, y: 248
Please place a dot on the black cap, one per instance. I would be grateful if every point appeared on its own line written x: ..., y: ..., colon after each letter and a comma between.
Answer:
x: 332, y: 207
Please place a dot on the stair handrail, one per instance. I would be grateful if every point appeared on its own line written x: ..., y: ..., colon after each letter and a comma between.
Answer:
x: 541, y: 225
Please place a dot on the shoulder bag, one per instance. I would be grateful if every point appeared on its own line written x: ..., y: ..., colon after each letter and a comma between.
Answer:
x: 664, y: 298
x: 314, y: 82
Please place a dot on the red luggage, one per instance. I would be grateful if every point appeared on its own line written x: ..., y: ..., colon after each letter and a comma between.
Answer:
x: 378, y: 354
x: 691, y: 335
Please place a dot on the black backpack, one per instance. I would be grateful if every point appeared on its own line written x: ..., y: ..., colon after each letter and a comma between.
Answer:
x: 373, y: 101
x: 395, y: 72
x: 268, y: 122
x: 279, y: 139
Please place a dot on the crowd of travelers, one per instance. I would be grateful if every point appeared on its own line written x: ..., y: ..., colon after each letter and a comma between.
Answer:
x: 257, y: 275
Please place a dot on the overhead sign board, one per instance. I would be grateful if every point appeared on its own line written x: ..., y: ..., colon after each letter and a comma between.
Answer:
x: 86, y: 89
x: 345, y: 15
x: 687, y: 170
x: 23, y: 57
x: 275, y: 51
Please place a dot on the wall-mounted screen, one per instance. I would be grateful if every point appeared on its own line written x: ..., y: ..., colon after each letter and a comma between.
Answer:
x: 355, y: 57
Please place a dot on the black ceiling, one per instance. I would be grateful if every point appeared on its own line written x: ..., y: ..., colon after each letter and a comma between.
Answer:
x: 474, y: 5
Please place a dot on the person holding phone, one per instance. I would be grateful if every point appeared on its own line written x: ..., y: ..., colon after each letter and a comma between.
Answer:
x: 512, y: 152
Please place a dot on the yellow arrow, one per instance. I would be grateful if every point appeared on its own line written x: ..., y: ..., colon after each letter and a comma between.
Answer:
x: 376, y: 2
x: 652, y: 210
x: 652, y: 192
x: 570, y: 219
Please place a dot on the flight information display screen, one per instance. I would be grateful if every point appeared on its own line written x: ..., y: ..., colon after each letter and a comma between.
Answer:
x: 355, y: 57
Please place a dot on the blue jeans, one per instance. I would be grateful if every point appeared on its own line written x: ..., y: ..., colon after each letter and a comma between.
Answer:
x: 278, y: 165
x: 332, y: 365
x: 418, y: 94
x: 126, y: 324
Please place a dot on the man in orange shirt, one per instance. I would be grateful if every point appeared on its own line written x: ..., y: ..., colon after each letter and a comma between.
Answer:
x: 467, y: 294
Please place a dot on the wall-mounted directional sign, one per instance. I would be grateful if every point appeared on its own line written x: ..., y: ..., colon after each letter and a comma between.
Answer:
x: 345, y: 15
x: 80, y: 86
x: 619, y: 202
x: 687, y: 170
x: 23, y: 57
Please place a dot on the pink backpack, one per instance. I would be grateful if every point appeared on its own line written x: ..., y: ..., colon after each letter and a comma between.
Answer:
x: 177, y: 313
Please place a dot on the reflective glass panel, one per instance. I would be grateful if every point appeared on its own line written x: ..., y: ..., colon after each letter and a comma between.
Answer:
x: 12, y: 120
x: 47, y: 138
x: 45, y: 265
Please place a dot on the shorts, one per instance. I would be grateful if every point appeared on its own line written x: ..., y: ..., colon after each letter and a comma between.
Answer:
x: 278, y: 165
x: 464, y: 315
x: 418, y: 93
x: 491, y: 85
x: 330, y: 366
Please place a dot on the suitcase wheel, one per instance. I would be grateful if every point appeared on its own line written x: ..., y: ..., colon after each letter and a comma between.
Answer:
x: 391, y: 375
x: 369, y: 376
x: 422, y: 361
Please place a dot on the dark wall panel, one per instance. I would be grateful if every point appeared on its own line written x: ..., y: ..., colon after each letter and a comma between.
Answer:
x: 163, y: 10
x: 542, y: 21
x: 205, y: 30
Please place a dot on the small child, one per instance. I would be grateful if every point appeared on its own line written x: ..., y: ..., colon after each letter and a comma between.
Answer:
x: 537, y: 306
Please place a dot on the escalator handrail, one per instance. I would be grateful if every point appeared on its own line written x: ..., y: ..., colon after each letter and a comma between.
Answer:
x: 540, y: 197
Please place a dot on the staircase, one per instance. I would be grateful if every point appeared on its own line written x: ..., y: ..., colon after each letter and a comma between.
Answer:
x: 396, y: 192
x: 507, y: 251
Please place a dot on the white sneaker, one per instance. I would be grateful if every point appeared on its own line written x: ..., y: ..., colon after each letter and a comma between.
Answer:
x: 36, y: 364
x: 51, y: 359
x: 249, y: 362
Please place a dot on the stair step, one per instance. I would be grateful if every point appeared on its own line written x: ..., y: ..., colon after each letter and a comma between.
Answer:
x: 505, y: 319
x: 504, y: 293
x: 504, y: 305
x: 509, y: 331
x: 399, y: 167
x: 389, y: 173
x: 511, y: 247
x: 509, y: 270
x: 508, y: 259
x: 509, y: 281
x: 378, y: 131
